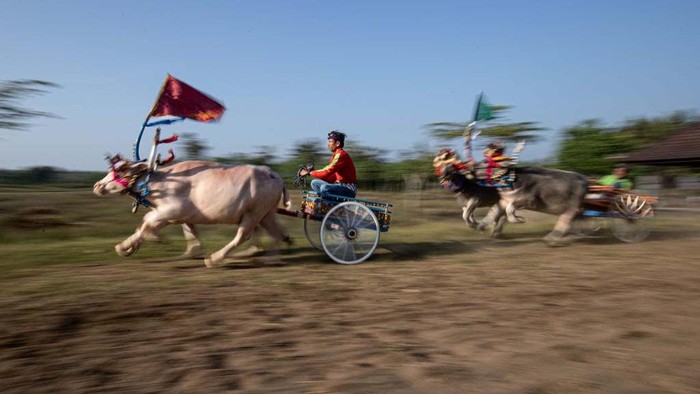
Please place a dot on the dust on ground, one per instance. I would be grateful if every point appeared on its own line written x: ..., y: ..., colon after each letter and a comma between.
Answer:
x: 505, y: 316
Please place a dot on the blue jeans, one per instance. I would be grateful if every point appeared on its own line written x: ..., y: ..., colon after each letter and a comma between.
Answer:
x: 323, y: 187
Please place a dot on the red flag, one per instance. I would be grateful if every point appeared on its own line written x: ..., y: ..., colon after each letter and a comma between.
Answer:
x: 180, y: 99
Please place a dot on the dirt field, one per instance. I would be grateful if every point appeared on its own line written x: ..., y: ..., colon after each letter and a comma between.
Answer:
x: 451, y: 315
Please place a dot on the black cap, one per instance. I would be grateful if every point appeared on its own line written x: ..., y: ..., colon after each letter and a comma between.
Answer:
x: 337, y: 135
x: 496, y: 145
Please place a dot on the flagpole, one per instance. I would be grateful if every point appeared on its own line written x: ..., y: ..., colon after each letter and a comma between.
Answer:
x: 137, y: 157
x: 138, y: 140
x: 468, y: 130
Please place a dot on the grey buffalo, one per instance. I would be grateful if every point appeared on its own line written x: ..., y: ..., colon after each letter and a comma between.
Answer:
x: 198, y: 192
x: 549, y: 191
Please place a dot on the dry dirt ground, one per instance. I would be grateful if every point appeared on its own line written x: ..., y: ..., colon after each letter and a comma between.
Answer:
x: 506, y: 316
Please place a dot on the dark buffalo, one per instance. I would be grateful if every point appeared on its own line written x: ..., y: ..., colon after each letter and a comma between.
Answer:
x: 555, y: 192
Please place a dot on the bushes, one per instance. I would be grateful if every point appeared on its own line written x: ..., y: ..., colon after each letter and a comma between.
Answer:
x: 46, y: 175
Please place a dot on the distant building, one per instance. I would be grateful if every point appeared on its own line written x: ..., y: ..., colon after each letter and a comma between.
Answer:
x: 681, y: 148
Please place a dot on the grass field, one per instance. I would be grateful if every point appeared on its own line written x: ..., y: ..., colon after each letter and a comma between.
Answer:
x: 55, y: 226
x: 40, y: 226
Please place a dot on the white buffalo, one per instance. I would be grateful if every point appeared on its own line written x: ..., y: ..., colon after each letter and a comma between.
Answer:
x: 198, y: 192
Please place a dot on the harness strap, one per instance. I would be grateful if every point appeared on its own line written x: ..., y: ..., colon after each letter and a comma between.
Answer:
x: 140, y: 193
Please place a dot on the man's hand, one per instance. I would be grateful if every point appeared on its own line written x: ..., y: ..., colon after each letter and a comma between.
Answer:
x: 306, y: 170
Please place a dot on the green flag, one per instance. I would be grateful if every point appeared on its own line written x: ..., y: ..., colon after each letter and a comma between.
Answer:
x: 483, y: 110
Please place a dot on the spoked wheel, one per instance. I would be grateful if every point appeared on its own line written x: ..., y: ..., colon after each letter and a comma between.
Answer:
x: 586, y: 226
x: 633, y: 218
x: 312, y: 229
x: 349, y: 233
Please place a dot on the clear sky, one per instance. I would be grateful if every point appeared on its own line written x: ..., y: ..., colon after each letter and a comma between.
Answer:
x: 378, y: 70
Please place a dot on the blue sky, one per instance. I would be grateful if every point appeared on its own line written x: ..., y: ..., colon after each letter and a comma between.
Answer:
x: 379, y: 70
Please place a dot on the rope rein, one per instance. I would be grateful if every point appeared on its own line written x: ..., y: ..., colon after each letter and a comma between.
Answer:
x: 139, y: 192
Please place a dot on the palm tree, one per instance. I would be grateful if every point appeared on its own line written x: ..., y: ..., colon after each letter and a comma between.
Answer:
x: 12, y: 115
x: 499, y: 130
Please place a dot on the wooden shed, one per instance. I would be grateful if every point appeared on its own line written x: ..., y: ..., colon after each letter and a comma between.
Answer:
x: 681, y: 148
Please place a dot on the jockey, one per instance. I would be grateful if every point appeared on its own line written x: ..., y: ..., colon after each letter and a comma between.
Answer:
x: 339, y: 176
x: 497, y: 167
x: 494, y: 158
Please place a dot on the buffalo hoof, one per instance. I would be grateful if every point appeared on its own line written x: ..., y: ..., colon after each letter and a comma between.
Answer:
x: 555, y: 240
x: 213, y: 261
x: 210, y: 263
x: 481, y: 226
x: 124, y: 252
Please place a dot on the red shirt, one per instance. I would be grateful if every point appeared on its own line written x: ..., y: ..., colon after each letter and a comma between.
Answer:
x: 341, y: 169
x: 495, y: 162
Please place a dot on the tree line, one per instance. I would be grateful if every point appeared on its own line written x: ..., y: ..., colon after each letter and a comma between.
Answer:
x: 587, y: 147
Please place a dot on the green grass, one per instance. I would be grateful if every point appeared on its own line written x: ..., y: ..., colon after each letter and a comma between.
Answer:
x: 84, y: 228
x: 90, y: 226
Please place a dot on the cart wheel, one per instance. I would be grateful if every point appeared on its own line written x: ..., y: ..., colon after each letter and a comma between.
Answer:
x: 349, y: 233
x: 312, y: 229
x: 586, y: 227
x: 633, y: 218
